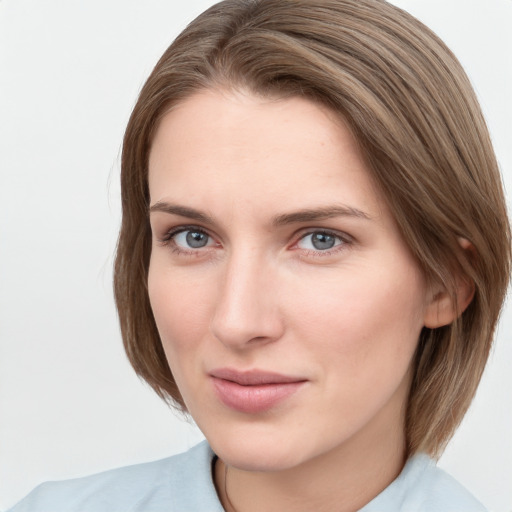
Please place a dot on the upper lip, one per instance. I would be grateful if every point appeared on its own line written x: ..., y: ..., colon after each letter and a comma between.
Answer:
x: 253, y: 377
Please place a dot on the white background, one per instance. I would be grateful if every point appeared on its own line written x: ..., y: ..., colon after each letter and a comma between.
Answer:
x: 70, y: 72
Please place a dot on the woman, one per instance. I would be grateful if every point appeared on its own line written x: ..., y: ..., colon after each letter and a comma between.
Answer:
x: 313, y: 257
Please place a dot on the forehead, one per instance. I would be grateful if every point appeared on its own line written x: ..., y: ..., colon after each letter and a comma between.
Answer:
x: 221, y: 147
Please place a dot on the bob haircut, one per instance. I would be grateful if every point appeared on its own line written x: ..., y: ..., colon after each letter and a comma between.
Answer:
x: 412, y: 109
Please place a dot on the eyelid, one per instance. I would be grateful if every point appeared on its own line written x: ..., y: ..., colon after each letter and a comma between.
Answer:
x: 183, y: 227
x: 345, y: 238
x: 342, y: 235
x: 169, y: 235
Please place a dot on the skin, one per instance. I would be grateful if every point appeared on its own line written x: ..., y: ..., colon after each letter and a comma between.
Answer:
x: 261, y: 295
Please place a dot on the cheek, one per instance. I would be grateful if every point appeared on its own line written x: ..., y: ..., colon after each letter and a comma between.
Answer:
x: 361, y: 332
x: 181, y: 302
x: 367, y: 321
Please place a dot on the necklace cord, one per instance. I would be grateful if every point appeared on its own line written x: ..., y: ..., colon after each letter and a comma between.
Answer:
x: 233, y: 509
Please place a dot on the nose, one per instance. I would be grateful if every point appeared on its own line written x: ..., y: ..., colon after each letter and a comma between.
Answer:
x: 247, y: 312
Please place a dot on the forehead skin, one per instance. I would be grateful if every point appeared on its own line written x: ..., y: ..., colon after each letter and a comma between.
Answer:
x: 246, y: 151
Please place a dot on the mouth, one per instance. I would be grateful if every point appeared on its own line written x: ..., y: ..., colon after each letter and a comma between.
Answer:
x: 253, y: 391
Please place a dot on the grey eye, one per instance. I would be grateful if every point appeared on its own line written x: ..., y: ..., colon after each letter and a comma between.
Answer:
x: 319, y: 241
x: 190, y: 239
x: 196, y: 240
x: 322, y: 241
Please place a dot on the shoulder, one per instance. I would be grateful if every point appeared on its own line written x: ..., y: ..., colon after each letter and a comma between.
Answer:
x: 423, y: 487
x: 181, y: 482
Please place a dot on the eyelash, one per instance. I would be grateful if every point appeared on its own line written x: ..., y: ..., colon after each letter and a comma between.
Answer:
x: 168, y: 240
x: 346, y: 240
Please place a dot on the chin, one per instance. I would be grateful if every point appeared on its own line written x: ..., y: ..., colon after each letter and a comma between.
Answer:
x: 258, y: 460
x: 260, y: 452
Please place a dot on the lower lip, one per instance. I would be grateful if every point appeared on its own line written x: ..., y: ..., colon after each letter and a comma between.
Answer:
x: 253, y: 399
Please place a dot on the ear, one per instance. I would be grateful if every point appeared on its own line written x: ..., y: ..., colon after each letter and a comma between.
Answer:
x: 441, y: 309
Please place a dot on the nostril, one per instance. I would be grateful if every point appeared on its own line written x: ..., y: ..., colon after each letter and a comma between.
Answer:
x: 258, y: 339
x: 253, y: 331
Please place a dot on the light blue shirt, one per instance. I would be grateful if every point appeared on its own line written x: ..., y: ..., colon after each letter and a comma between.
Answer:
x: 183, y: 483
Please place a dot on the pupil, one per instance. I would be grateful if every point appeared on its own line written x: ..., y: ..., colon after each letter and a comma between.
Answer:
x: 196, y: 240
x: 322, y: 241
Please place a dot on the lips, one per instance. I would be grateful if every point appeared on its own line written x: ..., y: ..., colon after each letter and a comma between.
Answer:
x: 253, y: 391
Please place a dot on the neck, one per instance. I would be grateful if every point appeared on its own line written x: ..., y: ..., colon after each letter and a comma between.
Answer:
x: 342, y: 480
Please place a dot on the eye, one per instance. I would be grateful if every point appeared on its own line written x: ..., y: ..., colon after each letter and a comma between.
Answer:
x: 191, y: 239
x: 319, y: 241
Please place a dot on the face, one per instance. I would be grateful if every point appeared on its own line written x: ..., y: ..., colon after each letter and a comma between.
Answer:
x: 288, y: 304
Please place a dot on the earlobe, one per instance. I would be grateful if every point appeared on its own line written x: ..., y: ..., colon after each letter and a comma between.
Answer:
x: 443, y: 309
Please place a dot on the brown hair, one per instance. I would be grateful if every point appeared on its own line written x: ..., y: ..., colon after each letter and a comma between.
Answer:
x: 414, y: 113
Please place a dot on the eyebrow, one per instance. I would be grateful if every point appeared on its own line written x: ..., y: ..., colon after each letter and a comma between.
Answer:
x: 182, y: 211
x: 322, y: 213
x: 307, y: 215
